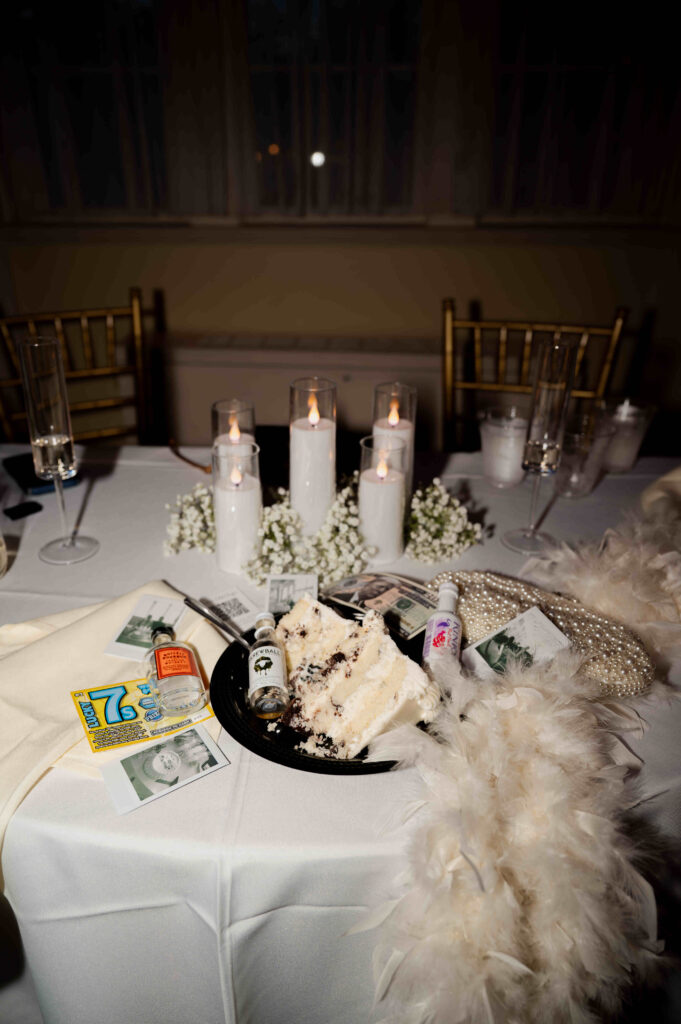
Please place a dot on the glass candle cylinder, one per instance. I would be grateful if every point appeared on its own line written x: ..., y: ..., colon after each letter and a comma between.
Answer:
x: 382, y: 494
x: 630, y: 423
x: 232, y: 423
x: 312, y: 425
x: 237, y: 499
x: 502, y: 434
x: 395, y: 416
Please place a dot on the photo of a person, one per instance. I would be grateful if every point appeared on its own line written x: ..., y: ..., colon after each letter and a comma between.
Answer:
x: 503, y: 649
x: 165, y: 764
x: 361, y: 589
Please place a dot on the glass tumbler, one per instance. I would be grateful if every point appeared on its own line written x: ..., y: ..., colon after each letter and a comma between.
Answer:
x: 581, y: 465
x: 630, y: 424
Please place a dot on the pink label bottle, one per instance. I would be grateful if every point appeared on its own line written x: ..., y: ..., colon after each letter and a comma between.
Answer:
x: 443, y: 629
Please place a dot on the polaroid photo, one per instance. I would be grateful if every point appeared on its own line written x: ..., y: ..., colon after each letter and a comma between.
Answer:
x: 528, y: 638
x: 132, y: 639
x: 286, y: 589
x: 162, y: 767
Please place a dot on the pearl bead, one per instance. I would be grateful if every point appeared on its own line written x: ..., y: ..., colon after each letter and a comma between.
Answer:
x: 488, y: 601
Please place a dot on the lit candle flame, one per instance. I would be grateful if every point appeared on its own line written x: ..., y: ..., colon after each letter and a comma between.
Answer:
x: 235, y: 476
x: 234, y: 432
x: 313, y: 414
x: 393, y: 415
x: 382, y: 469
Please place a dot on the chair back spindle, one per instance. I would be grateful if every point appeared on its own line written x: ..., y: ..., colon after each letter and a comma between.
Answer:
x: 104, y: 361
x: 512, y: 374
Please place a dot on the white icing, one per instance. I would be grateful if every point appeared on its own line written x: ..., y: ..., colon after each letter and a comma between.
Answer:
x: 373, y: 687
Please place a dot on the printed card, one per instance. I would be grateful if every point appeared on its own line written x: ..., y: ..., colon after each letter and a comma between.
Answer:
x: 528, y: 638
x: 284, y: 590
x: 114, y: 716
x: 161, y: 768
x: 236, y: 606
x: 132, y: 639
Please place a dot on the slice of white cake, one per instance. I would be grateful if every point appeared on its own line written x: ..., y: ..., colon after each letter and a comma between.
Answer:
x: 350, y: 682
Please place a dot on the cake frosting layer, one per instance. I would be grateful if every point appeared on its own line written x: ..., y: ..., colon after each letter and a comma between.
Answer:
x: 350, y: 681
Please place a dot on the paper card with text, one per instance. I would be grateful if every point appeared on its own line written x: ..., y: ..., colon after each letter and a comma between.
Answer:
x: 114, y: 716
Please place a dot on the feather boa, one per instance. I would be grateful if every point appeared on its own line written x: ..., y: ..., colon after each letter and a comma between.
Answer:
x: 521, y: 902
x: 633, y: 576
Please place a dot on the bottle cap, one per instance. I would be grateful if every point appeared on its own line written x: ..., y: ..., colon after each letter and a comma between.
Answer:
x: 264, y: 620
x: 448, y: 595
x: 159, y: 628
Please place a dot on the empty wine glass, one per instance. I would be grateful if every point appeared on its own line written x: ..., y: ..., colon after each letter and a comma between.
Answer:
x: 49, y: 427
x: 554, y: 375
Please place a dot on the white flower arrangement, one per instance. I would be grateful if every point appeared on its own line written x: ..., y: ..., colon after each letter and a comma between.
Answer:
x: 336, y: 551
x: 192, y: 522
x: 438, y: 529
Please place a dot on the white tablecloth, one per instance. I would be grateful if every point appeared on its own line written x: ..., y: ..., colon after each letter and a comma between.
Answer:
x: 229, y: 899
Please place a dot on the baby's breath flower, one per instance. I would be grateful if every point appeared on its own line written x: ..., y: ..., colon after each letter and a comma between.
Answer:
x: 439, y: 528
x: 192, y: 523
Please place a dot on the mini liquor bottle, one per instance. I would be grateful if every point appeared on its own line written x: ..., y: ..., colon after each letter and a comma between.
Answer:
x: 173, y: 674
x: 268, y: 692
x: 443, y: 629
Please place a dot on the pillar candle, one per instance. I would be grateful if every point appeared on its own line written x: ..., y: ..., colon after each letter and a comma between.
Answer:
x: 381, y: 511
x: 234, y: 442
x: 237, y: 502
x: 394, y: 426
x: 313, y: 470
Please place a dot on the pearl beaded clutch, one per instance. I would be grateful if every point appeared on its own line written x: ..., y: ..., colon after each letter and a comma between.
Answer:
x: 614, y: 655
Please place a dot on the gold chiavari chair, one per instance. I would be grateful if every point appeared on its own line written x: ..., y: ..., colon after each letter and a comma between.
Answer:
x: 496, y: 356
x: 105, y: 366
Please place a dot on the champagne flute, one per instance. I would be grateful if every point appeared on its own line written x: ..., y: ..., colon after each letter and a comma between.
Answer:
x: 553, y: 381
x: 49, y: 427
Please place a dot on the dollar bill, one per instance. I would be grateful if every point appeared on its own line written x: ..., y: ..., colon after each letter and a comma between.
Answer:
x: 405, y: 604
x: 284, y: 590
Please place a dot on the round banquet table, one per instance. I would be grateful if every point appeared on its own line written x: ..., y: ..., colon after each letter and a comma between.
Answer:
x: 231, y: 899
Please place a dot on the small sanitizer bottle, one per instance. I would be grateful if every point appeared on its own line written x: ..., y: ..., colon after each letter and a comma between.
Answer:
x: 443, y: 629
x: 268, y: 692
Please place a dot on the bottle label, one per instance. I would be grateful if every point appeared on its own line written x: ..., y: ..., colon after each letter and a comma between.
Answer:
x: 443, y: 634
x: 175, y: 661
x: 266, y: 667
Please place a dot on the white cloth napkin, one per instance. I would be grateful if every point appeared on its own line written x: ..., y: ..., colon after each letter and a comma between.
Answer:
x: 42, y: 661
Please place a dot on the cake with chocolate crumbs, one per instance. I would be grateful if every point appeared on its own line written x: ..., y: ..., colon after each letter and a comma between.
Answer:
x: 349, y: 680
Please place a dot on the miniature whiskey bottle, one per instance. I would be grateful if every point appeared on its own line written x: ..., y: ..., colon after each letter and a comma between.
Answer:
x: 268, y: 692
x: 173, y: 674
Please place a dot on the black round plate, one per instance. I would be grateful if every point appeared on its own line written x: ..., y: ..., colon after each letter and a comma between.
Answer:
x: 228, y: 689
